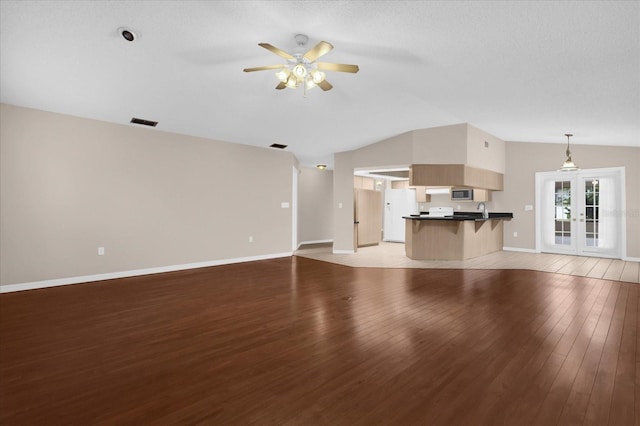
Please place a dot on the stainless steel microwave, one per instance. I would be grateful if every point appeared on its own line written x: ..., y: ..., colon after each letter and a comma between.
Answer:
x: 462, y: 194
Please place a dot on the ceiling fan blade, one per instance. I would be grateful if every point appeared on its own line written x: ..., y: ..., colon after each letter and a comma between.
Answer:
x: 328, y: 66
x: 277, y: 51
x: 267, y: 67
x: 281, y: 86
x: 318, y: 50
x: 325, y: 85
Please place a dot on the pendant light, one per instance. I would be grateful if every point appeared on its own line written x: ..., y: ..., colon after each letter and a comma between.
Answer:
x: 568, y: 165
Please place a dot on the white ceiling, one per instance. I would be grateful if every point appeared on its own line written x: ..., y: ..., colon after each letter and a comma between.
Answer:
x: 522, y: 71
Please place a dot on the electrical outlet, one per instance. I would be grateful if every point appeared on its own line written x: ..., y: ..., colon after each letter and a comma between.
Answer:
x: 250, y: 238
x: 528, y: 208
x: 339, y: 205
x: 100, y: 251
x: 515, y: 233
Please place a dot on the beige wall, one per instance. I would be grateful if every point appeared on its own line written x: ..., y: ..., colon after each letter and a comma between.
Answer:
x: 440, y: 145
x: 395, y: 151
x: 458, y: 144
x: 490, y: 157
x: 154, y: 199
x: 151, y: 198
x: 315, y: 205
x: 343, y: 207
x: 525, y: 159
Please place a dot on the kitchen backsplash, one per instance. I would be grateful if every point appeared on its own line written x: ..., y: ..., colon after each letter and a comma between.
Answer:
x: 438, y: 200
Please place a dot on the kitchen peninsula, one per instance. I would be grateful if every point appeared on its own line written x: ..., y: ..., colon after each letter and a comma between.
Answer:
x: 456, y: 237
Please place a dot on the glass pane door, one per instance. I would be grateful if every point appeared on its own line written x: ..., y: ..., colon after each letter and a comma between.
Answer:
x: 557, y: 218
x: 599, y: 225
x: 591, y: 213
x: 563, y: 210
x: 578, y: 212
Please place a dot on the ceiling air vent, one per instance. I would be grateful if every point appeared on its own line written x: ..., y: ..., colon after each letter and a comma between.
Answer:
x: 144, y: 122
x: 277, y: 145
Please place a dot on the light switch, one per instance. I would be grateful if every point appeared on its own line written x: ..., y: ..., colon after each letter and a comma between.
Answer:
x: 339, y: 205
x: 528, y: 208
x: 284, y: 205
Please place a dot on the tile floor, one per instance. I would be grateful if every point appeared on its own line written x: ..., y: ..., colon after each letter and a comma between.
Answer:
x: 391, y: 255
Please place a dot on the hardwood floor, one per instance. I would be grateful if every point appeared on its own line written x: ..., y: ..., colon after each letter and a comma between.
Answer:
x: 298, y: 341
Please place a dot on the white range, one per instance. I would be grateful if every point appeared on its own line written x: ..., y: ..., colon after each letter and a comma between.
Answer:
x: 440, y: 211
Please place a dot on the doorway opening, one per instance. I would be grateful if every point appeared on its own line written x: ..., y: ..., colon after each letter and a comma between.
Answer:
x: 382, y: 197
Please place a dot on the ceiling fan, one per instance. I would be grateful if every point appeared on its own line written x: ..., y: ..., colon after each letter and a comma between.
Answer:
x: 302, y: 69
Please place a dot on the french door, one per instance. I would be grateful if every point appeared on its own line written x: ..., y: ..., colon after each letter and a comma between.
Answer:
x: 578, y: 212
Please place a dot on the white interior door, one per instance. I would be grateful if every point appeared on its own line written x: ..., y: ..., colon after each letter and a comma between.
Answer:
x: 578, y: 212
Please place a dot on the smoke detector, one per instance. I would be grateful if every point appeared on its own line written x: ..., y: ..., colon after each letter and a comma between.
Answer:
x: 128, y: 34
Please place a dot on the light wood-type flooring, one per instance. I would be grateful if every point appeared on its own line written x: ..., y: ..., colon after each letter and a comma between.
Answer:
x: 392, y: 255
x: 297, y: 341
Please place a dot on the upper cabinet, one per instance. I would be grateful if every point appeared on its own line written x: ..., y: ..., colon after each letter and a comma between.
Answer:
x: 363, y: 182
x: 481, y: 195
x: 455, y: 175
x: 421, y: 191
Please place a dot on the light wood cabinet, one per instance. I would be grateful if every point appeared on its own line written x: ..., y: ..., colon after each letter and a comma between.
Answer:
x: 455, y: 175
x: 421, y: 194
x: 421, y: 191
x: 400, y: 184
x: 363, y: 182
x: 452, y: 240
x: 481, y: 195
x: 481, y: 178
x: 436, y: 175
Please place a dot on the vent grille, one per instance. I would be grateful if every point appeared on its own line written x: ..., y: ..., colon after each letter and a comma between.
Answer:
x: 144, y: 122
x: 277, y: 145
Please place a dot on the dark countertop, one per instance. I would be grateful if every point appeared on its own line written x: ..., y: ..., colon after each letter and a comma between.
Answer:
x: 460, y: 216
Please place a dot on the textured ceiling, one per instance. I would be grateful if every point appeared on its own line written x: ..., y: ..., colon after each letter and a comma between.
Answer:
x: 523, y: 71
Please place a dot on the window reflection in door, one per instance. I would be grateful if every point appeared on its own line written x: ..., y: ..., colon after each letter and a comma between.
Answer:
x: 592, y: 212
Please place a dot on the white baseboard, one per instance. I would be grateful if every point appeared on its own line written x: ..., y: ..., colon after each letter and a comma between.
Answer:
x: 343, y: 252
x: 301, y: 243
x: 631, y: 259
x: 523, y: 250
x: 134, y: 273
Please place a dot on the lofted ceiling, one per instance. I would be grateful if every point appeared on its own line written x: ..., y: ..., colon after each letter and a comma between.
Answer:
x: 521, y: 70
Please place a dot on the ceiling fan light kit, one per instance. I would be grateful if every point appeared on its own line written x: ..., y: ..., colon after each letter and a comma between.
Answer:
x: 317, y: 76
x: 302, y: 69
